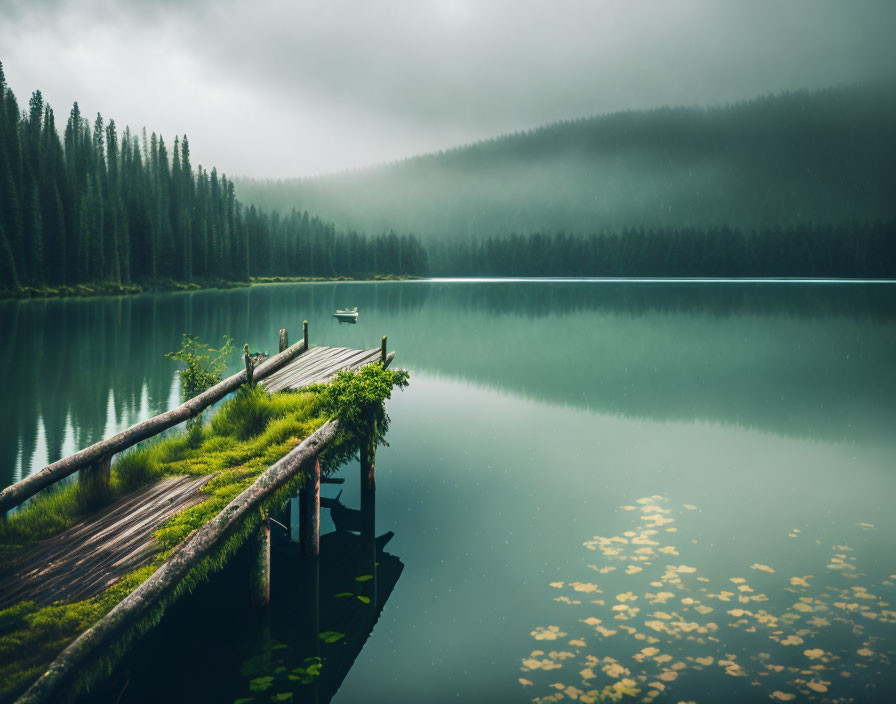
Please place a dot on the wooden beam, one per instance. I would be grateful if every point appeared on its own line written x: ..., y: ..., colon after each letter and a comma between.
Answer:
x: 21, y: 491
x: 284, y: 340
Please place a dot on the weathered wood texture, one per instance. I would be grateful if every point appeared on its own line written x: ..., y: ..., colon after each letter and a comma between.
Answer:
x: 260, y: 565
x: 92, y: 555
x: 319, y: 365
x: 309, y: 513
x: 15, y: 494
x: 96, y: 483
x: 196, y: 548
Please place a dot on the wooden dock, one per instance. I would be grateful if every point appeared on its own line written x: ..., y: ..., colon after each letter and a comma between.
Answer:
x: 319, y: 365
x: 84, y: 560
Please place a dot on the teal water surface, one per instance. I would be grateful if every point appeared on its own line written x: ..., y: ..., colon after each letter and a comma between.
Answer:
x: 675, y: 492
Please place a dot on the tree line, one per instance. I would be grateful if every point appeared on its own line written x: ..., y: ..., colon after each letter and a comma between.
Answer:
x: 98, y: 205
x: 847, y: 251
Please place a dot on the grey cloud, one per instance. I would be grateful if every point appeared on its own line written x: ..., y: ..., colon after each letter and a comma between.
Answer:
x: 370, y: 81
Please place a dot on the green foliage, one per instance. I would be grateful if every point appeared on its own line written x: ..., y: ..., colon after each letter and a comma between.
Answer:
x: 353, y: 395
x: 246, y: 415
x: 50, y: 512
x: 355, y: 398
x: 204, y: 364
x: 134, y: 469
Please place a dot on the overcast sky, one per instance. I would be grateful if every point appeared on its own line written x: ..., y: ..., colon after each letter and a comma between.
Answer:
x: 276, y: 88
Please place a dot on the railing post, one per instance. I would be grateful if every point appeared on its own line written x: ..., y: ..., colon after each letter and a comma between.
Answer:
x: 284, y: 339
x: 383, y: 351
x: 249, y: 365
x: 95, y: 483
x: 260, y: 564
x: 305, y: 333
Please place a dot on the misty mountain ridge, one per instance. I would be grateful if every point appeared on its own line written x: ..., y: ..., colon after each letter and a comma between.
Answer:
x: 820, y: 157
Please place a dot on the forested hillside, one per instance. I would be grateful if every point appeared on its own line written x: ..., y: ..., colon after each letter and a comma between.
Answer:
x: 786, y: 160
x: 866, y: 250
x: 96, y: 206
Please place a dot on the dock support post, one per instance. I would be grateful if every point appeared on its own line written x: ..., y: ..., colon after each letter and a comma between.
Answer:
x: 95, y: 482
x: 368, y: 505
x: 284, y: 339
x: 248, y: 361
x: 260, y: 564
x: 309, y: 513
x: 305, y: 333
x: 383, y: 351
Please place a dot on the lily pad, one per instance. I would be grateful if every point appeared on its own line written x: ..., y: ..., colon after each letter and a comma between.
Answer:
x: 260, y: 684
x: 330, y: 636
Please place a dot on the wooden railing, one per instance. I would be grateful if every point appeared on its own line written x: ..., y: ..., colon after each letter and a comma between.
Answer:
x: 94, y: 462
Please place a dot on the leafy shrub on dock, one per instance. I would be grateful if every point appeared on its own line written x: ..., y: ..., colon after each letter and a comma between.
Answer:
x: 203, y: 364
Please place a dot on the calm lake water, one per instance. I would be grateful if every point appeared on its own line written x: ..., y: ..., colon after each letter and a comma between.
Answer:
x: 679, y: 491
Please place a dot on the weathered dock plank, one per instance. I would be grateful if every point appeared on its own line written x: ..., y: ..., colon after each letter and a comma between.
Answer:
x: 317, y: 366
x: 89, y: 557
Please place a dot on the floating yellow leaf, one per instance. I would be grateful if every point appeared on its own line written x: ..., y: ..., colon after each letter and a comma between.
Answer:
x: 614, y: 669
x: 547, y: 633
x: 761, y: 568
x: 818, y: 685
x: 526, y: 683
x: 782, y: 696
x: 792, y: 640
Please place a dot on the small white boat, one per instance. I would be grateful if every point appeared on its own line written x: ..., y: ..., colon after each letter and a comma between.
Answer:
x: 348, y: 315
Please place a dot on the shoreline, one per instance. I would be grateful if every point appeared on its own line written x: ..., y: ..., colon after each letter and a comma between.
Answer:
x: 113, y: 290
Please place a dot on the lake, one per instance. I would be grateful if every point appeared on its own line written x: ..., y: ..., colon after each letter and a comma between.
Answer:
x: 596, y: 489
